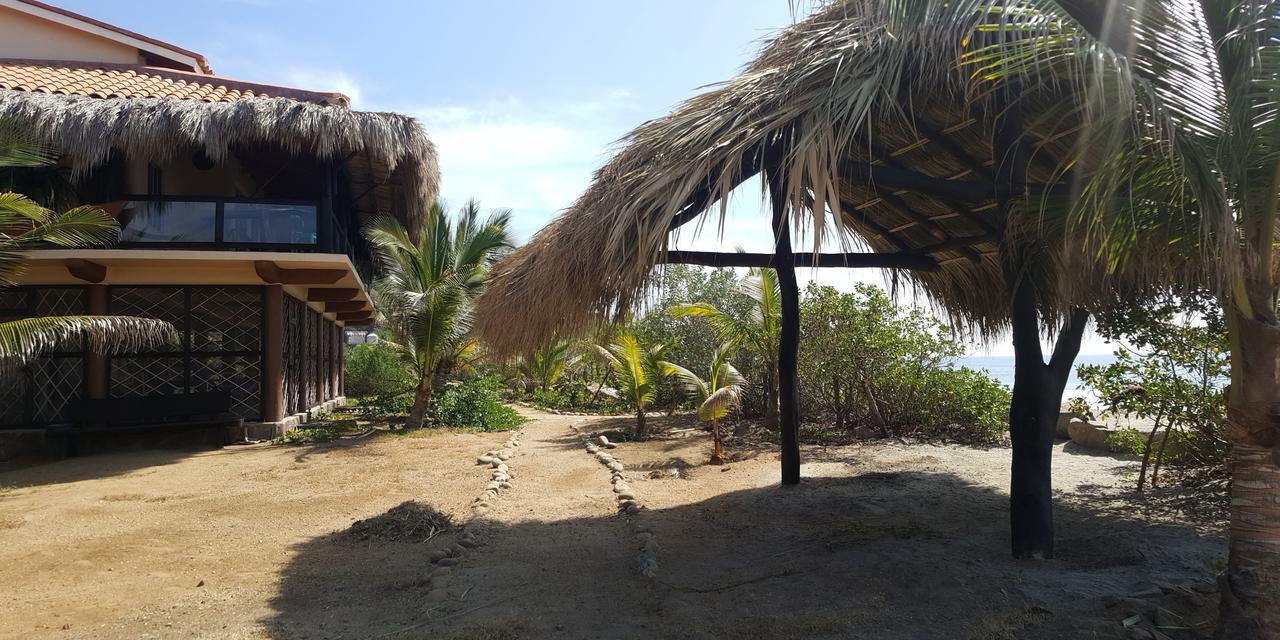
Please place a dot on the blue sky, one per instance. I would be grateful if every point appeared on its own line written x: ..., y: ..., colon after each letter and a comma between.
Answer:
x: 523, y: 98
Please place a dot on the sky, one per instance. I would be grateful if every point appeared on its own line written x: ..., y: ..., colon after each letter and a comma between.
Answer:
x: 524, y: 99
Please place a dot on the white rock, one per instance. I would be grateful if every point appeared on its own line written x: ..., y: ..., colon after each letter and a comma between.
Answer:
x: 604, y: 441
x: 505, y: 455
x: 620, y: 487
x: 504, y: 485
x: 615, y: 466
x: 632, y: 509
x: 591, y: 448
x: 627, y: 495
x: 503, y: 468
x: 495, y: 485
x: 484, y: 460
x: 611, y: 445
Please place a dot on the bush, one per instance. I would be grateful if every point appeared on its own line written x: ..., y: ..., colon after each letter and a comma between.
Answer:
x: 575, y: 398
x: 374, y: 370
x: 384, y: 407
x: 308, y: 435
x: 474, y: 404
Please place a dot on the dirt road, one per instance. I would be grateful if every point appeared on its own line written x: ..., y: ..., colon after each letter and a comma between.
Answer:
x: 880, y: 541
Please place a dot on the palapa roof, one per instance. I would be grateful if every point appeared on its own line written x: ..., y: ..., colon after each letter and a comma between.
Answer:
x: 850, y: 110
x: 84, y: 111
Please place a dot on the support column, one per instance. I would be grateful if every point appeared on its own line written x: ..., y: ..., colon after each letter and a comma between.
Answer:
x: 789, y: 342
x: 273, y: 354
x: 95, y: 364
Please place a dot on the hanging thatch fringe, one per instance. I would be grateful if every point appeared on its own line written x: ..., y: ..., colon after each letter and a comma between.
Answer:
x: 386, y: 149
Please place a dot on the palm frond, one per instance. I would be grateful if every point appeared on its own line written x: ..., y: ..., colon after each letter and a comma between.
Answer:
x: 23, y: 340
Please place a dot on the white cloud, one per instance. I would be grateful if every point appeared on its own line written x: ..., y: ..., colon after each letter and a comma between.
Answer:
x: 325, y: 80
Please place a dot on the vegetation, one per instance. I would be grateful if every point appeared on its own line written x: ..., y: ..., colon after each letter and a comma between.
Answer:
x: 713, y: 396
x: 866, y: 362
x: 475, y: 405
x: 1172, y: 370
x: 425, y: 293
x: 636, y: 371
x: 376, y: 371
x: 24, y: 224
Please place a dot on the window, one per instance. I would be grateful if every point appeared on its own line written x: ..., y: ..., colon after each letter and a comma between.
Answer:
x: 251, y: 222
x: 142, y: 221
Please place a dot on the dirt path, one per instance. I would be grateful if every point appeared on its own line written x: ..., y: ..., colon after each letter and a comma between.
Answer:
x: 881, y: 541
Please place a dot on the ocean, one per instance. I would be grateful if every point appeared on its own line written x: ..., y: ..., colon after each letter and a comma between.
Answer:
x: 1001, y: 368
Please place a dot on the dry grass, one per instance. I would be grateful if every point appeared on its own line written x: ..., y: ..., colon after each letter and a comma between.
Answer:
x: 409, y: 521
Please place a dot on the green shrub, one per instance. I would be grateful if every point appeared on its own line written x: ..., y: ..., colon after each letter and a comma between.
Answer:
x: 384, y: 407
x: 374, y: 370
x: 1130, y: 441
x: 574, y: 398
x: 474, y: 404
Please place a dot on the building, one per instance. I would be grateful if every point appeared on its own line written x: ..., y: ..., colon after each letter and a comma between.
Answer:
x: 240, y: 205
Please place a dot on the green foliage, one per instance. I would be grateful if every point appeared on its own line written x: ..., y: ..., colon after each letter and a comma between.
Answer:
x: 867, y: 362
x: 474, y: 404
x: 380, y: 408
x: 308, y: 435
x: 1080, y: 406
x: 375, y: 370
x: 429, y: 281
x: 1130, y: 441
x: 544, y: 368
x: 1172, y: 370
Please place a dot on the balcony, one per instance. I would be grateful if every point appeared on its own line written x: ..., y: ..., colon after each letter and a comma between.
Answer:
x: 229, y: 224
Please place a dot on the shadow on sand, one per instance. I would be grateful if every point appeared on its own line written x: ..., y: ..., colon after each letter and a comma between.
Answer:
x: 900, y: 555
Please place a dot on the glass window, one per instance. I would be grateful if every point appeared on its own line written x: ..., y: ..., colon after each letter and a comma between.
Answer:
x: 168, y: 222
x: 253, y: 222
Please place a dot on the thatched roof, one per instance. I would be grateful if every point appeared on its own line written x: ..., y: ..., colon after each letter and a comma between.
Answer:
x: 839, y: 102
x: 388, y: 155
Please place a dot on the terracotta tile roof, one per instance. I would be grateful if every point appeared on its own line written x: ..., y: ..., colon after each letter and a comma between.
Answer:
x: 106, y: 80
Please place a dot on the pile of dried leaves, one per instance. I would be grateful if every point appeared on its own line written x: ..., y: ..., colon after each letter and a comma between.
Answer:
x: 409, y: 521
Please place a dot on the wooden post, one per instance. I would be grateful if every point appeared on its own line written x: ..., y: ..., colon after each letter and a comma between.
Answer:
x: 789, y: 343
x: 95, y: 364
x: 273, y: 354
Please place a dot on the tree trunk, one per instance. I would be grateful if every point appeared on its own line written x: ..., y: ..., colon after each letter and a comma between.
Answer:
x: 717, y: 453
x: 1033, y: 417
x: 642, y: 429
x: 1251, y: 585
x: 421, y: 404
x: 771, y: 392
x: 1155, y: 469
x: 873, y: 406
x: 836, y: 406
x: 1146, y: 454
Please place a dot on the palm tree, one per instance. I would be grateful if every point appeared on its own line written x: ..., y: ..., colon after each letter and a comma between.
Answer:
x: 424, y: 295
x: 25, y: 225
x: 543, y: 368
x: 759, y: 334
x: 1192, y: 90
x: 637, y: 372
x: 715, y: 395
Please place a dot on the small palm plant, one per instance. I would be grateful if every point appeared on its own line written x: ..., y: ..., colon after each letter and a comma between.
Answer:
x: 425, y: 293
x: 637, y: 372
x: 25, y: 225
x: 759, y: 334
x: 545, y: 366
x: 715, y: 395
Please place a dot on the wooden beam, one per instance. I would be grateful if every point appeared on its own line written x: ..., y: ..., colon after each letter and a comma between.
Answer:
x: 834, y: 260
x: 331, y: 295
x: 354, y: 316
x: 895, y: 178
x: 954, y: 150
x: 337, y: 307
x: 958, y: 242
x: 271, y: 273
x: 86, y: 270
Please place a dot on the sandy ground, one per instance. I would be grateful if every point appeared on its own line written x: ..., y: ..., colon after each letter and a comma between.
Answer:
x: 881, y: 540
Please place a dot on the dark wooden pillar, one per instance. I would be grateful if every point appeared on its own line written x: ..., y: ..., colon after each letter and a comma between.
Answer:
x: 789, y: 343
x: 273, y: 354
x: 95, y: 364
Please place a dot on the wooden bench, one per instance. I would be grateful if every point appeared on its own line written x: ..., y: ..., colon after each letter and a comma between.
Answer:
x: 186, y: 413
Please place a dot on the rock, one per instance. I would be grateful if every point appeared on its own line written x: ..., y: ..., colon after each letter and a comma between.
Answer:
x: 495, y: 485
x: 1064, y: 420
x: 504, y: 485
x: 592, y: 449
x: 448, y: 562
x: 441, y: 571
x: 650, y: 545
x: 604, y: 441
x: 615, y: 466
x: 456, y: 549
x: 619, y: 487
x: 437, y: 595
x: 437, y: 555
x: 627, y: 495
x: 484, y: 460
x: 632, y: 509
x: 611, y: 445
x: 503, y: 468
x: 625, y: 503
x: 1089, y: 435
x: 469, y: 543
x: 505, y: 455
x: 480, y: 509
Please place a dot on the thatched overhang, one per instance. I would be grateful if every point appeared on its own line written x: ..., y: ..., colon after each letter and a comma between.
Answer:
x: 392, y: 163
x: 880, y: 138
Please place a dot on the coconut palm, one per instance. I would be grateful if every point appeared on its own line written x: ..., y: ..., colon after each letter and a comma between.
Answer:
x: 637, y: 372
x: 759, y: 334
x: 715, y: 395
x: 25, y: 225
x: 424, y: 294
x: 545, y: 366
x: 1199, y: 83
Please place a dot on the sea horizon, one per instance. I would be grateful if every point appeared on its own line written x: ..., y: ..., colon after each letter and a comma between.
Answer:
x: 1001, y: 368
